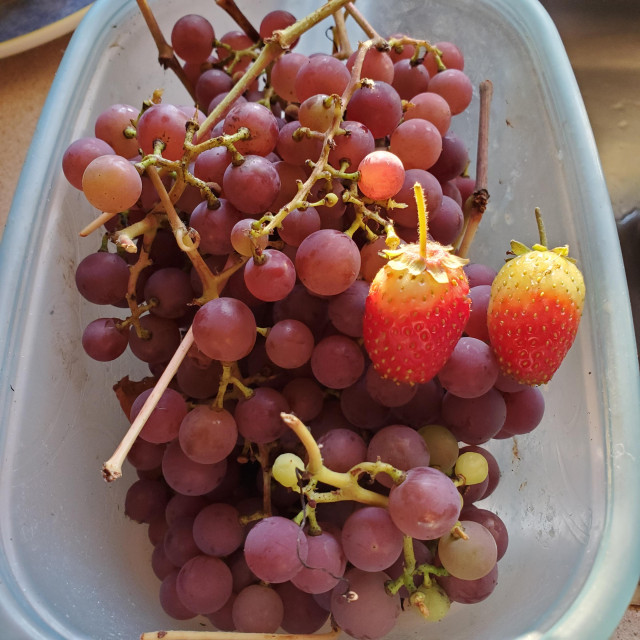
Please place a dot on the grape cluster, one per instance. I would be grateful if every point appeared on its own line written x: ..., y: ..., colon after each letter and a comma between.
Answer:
x: 247, y: 247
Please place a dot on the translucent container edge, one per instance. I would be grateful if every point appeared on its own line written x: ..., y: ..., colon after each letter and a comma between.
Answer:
x: 601, y: 603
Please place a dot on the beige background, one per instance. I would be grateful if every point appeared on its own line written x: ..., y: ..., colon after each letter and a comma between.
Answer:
x: 603, y: 42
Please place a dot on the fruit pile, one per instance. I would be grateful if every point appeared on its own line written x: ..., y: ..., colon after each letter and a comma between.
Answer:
x: 325, y: 365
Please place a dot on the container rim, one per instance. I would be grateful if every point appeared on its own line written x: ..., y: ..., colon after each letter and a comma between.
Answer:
x: 599, y: 606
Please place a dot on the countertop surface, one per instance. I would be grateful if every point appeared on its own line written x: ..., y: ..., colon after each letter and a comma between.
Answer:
x: 602, y: 39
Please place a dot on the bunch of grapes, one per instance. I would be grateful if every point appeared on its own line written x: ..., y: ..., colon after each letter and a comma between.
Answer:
x: 284, y: 480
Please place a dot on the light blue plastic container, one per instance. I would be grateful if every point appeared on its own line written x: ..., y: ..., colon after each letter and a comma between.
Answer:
x: 73, y: 567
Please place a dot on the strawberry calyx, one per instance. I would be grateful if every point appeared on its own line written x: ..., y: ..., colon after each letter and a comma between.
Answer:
x: 519, y: 249
x: 438, y: 262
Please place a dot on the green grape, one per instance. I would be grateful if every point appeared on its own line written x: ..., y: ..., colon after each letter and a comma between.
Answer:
x: 284, y: 470
x: 442, y: 445
x: 431, y: 601
x: 473, y: 467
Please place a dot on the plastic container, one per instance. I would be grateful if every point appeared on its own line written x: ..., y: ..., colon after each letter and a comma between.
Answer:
x: 72, y: 566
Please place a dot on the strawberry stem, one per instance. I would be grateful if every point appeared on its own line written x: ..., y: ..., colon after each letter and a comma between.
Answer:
x: 541, y: 230
x: 422, y: 218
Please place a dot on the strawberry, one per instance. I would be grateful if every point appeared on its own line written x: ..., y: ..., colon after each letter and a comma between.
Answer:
x: 416, y: 310
x: 535, y: 307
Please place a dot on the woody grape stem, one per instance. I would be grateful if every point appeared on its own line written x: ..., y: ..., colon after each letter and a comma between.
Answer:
x: 112, y: 468
x: 236, y: 635
x: 240, y: 19
x: 166, y: 57
x: 477, y: 203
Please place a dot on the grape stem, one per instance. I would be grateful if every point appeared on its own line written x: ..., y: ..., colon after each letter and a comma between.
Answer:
x: 181, y: 233
x: 103, y: 218
x: 273, y: 49
x: 228, y: 377
x: 362, y: 22
x: 476, y: 204
x: 112, y: 468
x: 236, y: 635
x: 239, y: 18
x: 166, y: 57
x: 406, y: 579
x: 342, y: 46
x: 347, y: 482
x: 319, y: 167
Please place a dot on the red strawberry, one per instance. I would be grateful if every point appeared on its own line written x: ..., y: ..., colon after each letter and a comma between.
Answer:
x: 416, y: 311
x: 534, y: 310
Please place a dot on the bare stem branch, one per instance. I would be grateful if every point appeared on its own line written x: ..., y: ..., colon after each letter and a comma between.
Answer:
x: 166, y: 57
x: 112, y: 468
x: 239, y: 18
x: 477, y: 202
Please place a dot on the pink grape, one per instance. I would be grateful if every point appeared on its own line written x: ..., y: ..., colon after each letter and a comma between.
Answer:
x: 327, y: 262
x: 111, y: 183
x: 275, y: 20
x: 471, y: 369
x: 275, y: 549
x: 305, y: 398
x: 525, y: 410
x: 455, y: 87
x: 257, y: 609
x: 79, y: 154
x: 102, y: 340
x: 163, y: 122
x: 417, y: 143
x: 474, y: 420
x: 409, y: 79
x: 184, y: 475
x: 224, y: 329
x: 210, y: 84
x: 470, y: 591
x: 370, y: 539
x: 373, y: 613
x: 425, y: 505
x: 192, y: 38
x: 377, y: 65
x: 400, y: 446
x: 170, y: 601
x: 258, y: 417
x: 388, y: 392
x: 110, y: 126
x: 289, y: 343
x: 271, y: 276
x: 204, y: 584
x: 381, y: 175
x: 164, y: 422
x: 207, y: 435
x: 337, y: 362
x: 102, y: 278
x: 468, y: 558
x: 378, y: 107
x: 324, y: 566
x: 451, y: 57
x: 252, y: 186
x: 321, y: 74
x: 351, y: 146
x: 302, y: 613
x: 297, y: 150
x: 217, y: 530
x: 283, y: 74
x: 342, y: 449
x: 431, y: 107
x: 262, y: 126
